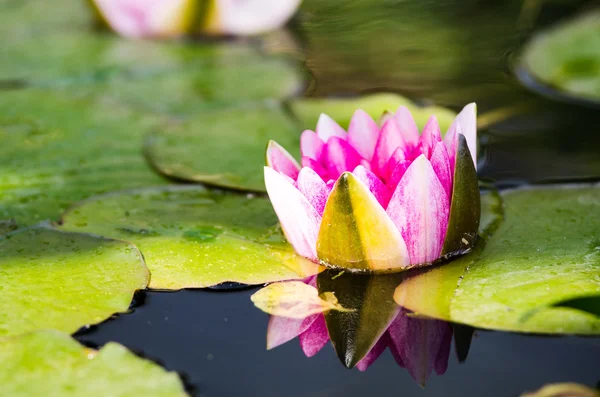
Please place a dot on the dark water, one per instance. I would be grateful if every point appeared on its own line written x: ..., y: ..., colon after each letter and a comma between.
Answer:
x: 447, y: 52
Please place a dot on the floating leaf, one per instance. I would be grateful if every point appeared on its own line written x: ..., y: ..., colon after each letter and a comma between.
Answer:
x: 224, y: 147
x: 353, y: 333
x: 566, y: 56
x: 564, y: 390
x: 545, y: 250
x: 294, y: 299
x: 57, y: 150
x: 194, y: 237
x: 341, y: 109
x: 588, y: 304
x: 60, y: 280
x: 50, y: 363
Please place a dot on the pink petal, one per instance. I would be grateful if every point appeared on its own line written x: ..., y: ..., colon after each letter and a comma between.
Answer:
x: 363, y: 133
x: 389, y: 140
x: 420, y: 208
x: 408, y: 127
x: 430, y: 137
x: 283, y: 329
x: 315, y: 337
x: 315, y: 166
x: 340, y: 157
x: 311, y: 145
x: 299, y: 220
x: 374, y: 184
x: 281, y: 161
x: 375, y: 352
x: 397, y: 174
x: 313, y: 188
x: 467, y: 119
x: 327, y: 128
x: 399, y: 156
x: 440, y: 162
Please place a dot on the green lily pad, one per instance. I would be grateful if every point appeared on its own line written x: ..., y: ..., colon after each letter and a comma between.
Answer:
x: 57, y: 150
x: 588, y: 304
x: 566, y: 56
x: 50, y: 363
x: 370, y: 310
x: 544, y: 251
x: 172, y: 76
x: 59, y: 280
x: 342, y: 109
x: 194, y: 237
x: 564, y: 390
x: 223, y: 147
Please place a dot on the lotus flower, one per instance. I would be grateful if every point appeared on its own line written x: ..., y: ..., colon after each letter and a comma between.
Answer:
x: 172, y: 18
x: 147, y: 18
x: 378, y: 199
x: 419, y: 345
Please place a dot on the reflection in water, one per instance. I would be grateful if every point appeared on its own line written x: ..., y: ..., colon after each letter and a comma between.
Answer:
x: 374, y: 324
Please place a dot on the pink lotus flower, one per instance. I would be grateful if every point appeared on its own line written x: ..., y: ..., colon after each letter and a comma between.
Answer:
x: 378, y: 199
x: 419, y: 345
x: 172, y: 18
x: 147, y: 18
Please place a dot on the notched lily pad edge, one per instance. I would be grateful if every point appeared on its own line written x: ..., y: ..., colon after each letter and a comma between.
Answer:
x: 134, y: 301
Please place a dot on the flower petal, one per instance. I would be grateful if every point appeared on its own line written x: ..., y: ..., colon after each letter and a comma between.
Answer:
x: 375, y: 352
x: 313, y: 188
x: 340, y: 157
x: 281, y: 161
x: 283, y: 329
x: 315, y: 166
x: 408, y: 127
x: 467, y: 119
x: 397, y: 174
x: 327, y: 128
x: 440, y: 162
x: 419, y: 208
x: 356, y: 232
x: 315, y: 337
x: 398, y: 157
x: 299, y: 220
x: 389, y: 140
x: 465, y: 208
x: 430, y: 137
x: 363, y: 133
x: 374, y: 184
x: 311, y: 145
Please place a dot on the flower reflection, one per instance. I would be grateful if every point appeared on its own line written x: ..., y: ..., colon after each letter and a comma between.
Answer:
x: 418, y: 344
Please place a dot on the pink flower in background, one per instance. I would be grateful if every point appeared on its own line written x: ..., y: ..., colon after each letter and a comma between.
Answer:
x: 172, y: 18
x: 378, y: 199
x: 417, y: 344
x: 147, y: 18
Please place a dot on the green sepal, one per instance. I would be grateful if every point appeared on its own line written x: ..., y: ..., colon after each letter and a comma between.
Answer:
x: 371, y: 309
x: 465, y: 210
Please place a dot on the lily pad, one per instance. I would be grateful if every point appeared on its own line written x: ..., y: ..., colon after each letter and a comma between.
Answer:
x: 194, y: 237
x: 60, y: 280
x: 223, y: 147
x: 50, y: 363
x: 341, y: 109
x: 57, y: 150
x: 545, y: 250
x: 588, y: 304
x: 564, y: 390
x: 178, y: 77
x: 566, y: 56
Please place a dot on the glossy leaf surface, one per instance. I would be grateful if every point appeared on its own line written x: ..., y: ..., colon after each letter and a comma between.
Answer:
x: 50, y: 363
x: 64, y: 281
x: 194, y: 237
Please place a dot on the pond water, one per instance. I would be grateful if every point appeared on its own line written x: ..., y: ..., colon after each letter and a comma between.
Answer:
x: 445, y: 52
